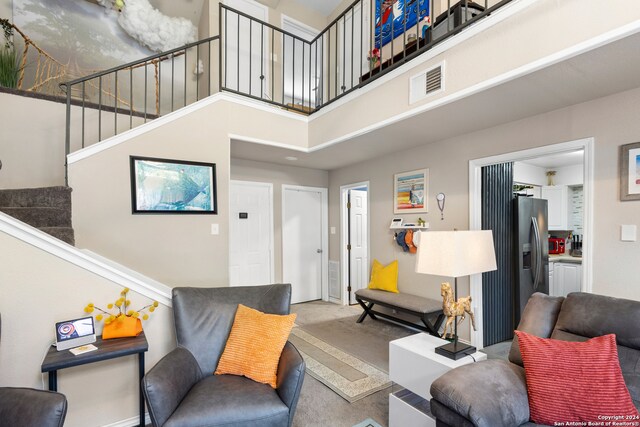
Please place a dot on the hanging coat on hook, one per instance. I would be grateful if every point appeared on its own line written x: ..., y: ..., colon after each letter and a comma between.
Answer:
x: 408, y: 240
x: 400, y: 240
x: 416, y: 238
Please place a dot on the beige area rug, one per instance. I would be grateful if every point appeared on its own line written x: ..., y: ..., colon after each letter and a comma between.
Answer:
x: 351, y: 378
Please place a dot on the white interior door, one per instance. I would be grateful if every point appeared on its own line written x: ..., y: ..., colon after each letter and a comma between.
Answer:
x: 358, y: 218
x: 250, y: 234
x: 302, y: 242
x: 246, y: 62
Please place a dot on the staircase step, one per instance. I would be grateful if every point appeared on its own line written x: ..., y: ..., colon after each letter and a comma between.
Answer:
x: 41, y: 217
x: 65, y: 234
x: 54, y: 197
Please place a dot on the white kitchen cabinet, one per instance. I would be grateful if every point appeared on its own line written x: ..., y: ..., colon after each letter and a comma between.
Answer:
x: 558, y: 206
x: 552, y: 289
x: 567, y: 278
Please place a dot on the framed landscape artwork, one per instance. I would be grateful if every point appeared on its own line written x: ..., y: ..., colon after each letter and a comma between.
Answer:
x: 163, y: 186
x: 410, y: 190
x: 630, y: 172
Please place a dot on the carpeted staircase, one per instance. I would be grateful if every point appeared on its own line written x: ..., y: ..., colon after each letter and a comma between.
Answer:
x: 48, y: 209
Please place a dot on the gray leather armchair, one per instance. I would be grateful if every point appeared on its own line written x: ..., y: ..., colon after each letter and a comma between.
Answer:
x: 181, y: 389
x: 27, y: 407
x: 493, y: 393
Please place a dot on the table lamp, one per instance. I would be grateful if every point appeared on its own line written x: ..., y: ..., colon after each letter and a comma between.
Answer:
x: 455, y: 254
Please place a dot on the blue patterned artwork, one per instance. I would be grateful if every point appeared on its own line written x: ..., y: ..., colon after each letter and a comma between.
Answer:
x: 391, y: 16
x: 172, y: 186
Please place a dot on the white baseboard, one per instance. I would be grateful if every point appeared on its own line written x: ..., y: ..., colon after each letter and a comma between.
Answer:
x: 130, y: 422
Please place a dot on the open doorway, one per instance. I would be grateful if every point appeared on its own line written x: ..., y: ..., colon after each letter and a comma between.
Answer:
x: 529, y: 160
x: 298, y: 89
x: 354, y: 239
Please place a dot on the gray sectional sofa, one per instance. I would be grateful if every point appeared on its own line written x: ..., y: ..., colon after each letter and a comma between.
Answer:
x: 493, y: 393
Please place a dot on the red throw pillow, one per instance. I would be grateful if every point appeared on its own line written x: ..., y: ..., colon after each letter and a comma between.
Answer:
x: 575, y: 381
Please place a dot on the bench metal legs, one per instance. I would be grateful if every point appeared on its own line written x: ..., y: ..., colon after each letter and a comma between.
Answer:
x: 431, y: 328
x: 367, y: 311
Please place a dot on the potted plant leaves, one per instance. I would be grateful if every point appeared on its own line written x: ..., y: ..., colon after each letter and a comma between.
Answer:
x: 9, y: 65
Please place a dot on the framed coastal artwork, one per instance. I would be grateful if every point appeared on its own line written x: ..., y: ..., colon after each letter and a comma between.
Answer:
x: 163, y: 186
x: 410, y: 190
x: 394, y: 17
x: 630, y: 172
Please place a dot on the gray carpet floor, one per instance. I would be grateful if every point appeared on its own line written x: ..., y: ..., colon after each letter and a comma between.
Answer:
x: 368, y: 341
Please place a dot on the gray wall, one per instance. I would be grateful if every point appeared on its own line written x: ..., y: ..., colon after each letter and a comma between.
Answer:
x: 177, y: 250
x: 611, y: 121
x: 6, y: 9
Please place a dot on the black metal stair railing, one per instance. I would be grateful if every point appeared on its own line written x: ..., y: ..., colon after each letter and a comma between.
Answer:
x: 366, y: 41
x: 261, y: 61
x: 249, y: 63
x: 123, y: 97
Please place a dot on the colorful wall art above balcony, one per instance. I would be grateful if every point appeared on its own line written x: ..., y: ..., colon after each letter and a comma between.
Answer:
x: 393, y: 17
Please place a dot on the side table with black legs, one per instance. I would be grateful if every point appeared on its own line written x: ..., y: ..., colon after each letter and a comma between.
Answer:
x: 107, y: 349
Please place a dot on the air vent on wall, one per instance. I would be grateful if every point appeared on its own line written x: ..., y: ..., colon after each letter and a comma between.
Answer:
x: 426, y: 83
x: 334, y: 280
x: 434, y: 80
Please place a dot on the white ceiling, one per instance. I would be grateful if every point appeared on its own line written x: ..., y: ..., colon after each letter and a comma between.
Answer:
x: 609, y: 69
x: 558, y: 160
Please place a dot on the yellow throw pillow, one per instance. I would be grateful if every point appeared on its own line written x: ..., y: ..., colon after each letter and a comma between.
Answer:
x: 255, y: 344
x: 384, y: 278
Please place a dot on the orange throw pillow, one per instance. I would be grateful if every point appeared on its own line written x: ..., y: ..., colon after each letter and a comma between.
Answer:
x: 255, y: 344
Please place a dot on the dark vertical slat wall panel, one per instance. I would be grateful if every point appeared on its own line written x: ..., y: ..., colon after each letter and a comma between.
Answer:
x: 497, y: 286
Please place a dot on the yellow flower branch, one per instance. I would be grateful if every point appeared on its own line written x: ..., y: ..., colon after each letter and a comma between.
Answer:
x: 122, y: 304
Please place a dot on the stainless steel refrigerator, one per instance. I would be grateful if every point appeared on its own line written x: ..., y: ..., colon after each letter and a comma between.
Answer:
x: 532, y: 251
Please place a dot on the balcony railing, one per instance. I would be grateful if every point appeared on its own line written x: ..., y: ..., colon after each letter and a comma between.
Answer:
x: 258, y: 60
x: 369, y: 39
x: 126, y: 96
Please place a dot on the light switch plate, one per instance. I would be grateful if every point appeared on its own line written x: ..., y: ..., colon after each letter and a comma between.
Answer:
x: 628, y: 233
x: 333, y: 230
x: 215, y: 229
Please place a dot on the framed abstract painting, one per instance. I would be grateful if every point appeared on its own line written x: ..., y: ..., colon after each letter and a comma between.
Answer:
x: 393, y: 17
x: 163, y: 186
x: 410, y: 191
x: 630, y: 172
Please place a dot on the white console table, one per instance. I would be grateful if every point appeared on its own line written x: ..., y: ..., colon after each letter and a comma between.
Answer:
x: 414, y: 365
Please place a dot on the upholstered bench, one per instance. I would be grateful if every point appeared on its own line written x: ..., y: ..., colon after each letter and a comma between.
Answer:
x: 421, y: 307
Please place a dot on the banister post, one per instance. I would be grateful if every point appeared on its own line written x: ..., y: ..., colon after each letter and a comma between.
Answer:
x: 67, y: 140
x: 220, y: 46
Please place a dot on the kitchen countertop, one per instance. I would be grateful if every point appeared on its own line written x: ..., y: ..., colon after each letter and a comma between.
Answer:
x: 565, y: 258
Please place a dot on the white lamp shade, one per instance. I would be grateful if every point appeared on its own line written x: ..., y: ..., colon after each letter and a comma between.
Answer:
x: 456, y: 253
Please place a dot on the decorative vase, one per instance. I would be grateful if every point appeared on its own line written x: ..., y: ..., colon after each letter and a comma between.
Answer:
x: 120, y: 328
